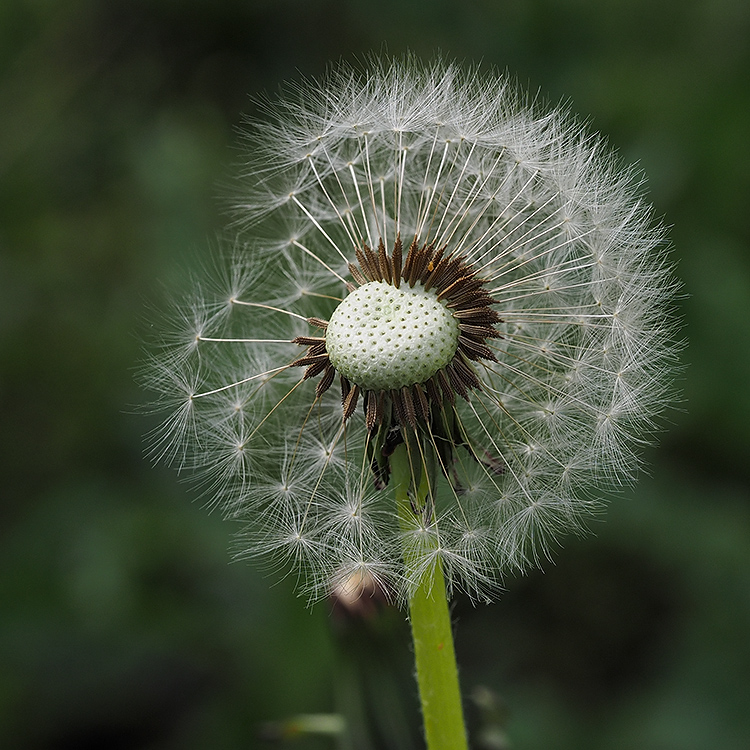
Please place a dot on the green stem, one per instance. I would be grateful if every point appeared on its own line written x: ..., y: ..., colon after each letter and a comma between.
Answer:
x: 437, y: 673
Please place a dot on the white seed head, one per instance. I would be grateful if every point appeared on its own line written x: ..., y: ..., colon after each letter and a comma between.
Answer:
x: 384, y: 338
x: 557, y: 390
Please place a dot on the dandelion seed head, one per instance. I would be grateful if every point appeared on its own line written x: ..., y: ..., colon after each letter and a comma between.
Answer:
x: 427, y: 259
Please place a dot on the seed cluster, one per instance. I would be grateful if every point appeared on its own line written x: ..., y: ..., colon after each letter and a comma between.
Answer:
x: 407, y: 348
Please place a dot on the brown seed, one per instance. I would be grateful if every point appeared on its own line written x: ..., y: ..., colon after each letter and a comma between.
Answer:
x: 383, y: 262
x: 350, y: 402
x: 397, y: 262
x: 316, y: 369
x: 325, y: 382
x: 357, y: 274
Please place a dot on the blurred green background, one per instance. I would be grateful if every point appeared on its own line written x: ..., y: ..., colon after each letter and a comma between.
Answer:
x: 123, y: 622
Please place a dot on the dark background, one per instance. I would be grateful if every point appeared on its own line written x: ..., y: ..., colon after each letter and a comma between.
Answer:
x: 123, y: 622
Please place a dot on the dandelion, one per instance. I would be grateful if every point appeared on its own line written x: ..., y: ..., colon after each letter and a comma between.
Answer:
x: 447, y: 295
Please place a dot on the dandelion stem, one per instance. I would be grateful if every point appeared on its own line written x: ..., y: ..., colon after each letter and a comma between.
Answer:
x: 437, y: 673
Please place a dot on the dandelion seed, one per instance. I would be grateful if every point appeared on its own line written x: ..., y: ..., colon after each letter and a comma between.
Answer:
x: 434, y: 264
